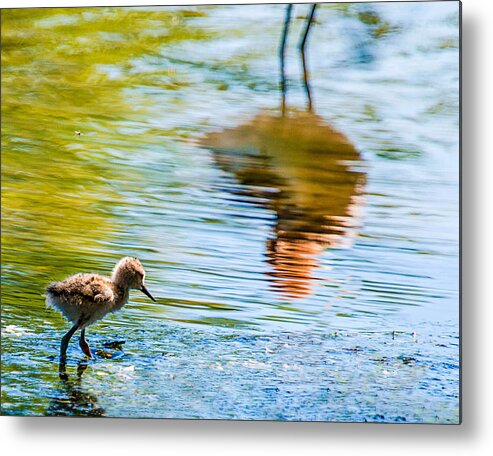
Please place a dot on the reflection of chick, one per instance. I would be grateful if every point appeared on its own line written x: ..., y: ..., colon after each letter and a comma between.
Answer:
x: 71, y: 399
x: 302, y: 169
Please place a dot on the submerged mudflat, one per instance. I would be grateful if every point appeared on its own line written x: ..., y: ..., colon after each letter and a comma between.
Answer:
x: 228, y: 374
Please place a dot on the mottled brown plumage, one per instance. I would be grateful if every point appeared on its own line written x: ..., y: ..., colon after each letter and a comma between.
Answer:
x: 86, y: 298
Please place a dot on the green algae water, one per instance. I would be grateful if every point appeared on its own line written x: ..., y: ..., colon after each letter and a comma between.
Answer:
x: 305, y: 267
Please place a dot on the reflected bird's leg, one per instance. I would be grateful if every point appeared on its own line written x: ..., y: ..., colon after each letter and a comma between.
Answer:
x: 84, y: 345
x: 65, y: 340
x: 62, y: 371
x: 81, y: 367
x: 282, y: 56
x: 302, y: 45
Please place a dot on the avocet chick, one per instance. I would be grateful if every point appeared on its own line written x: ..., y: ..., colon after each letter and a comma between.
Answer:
x: 86, y: 298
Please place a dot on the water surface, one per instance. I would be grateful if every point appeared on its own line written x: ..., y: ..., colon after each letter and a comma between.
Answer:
x: 284, y: 251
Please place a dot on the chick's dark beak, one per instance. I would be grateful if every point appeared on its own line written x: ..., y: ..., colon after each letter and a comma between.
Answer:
x: 146, y: 292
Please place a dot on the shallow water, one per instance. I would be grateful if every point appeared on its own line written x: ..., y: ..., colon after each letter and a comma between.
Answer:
x: 283, y: 252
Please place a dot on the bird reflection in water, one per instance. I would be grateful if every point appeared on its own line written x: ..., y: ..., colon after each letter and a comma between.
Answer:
x: 71, y: 399
x: 306, y: 173
x: 302, y: 169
